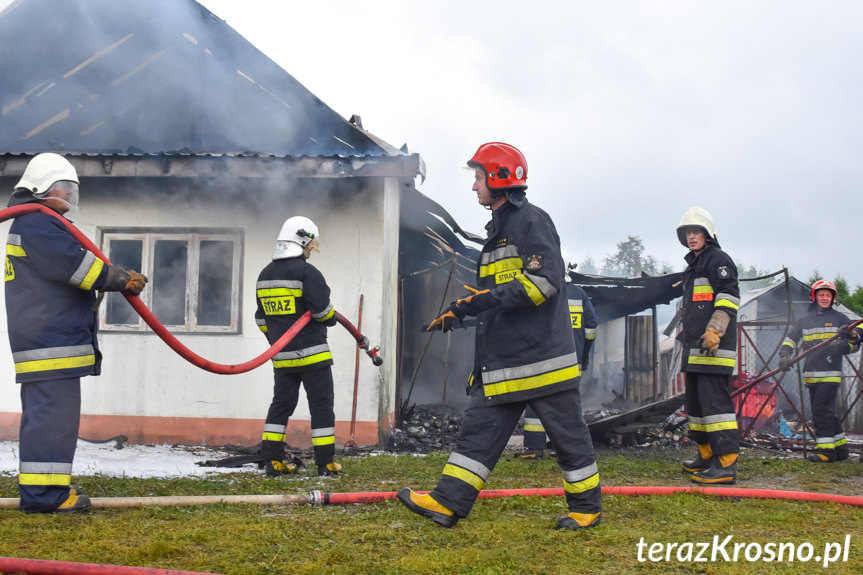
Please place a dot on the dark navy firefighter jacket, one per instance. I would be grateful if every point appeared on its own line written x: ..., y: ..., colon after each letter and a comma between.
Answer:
x: 285, y: 290
x: 524, y: 342
x: 51, y: 308
x: 709, y: 284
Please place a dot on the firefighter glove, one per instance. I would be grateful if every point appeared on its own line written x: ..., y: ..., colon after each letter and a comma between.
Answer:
x: 477, y: 301
x: 709, y: 342
x: 848, y: 333
x: 839, y: 347
x: 585, y: 356
x: 446, y: 321
x: 136, y: 282
x: 785, y: 358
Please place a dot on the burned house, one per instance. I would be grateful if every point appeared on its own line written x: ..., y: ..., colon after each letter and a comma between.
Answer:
x: 192, y: 148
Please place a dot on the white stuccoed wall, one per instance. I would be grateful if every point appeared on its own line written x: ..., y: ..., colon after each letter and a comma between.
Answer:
x: 142, y: 376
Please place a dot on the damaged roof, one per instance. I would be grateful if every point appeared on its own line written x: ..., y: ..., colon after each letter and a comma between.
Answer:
x: 618, y: 297
x: 154, y: 77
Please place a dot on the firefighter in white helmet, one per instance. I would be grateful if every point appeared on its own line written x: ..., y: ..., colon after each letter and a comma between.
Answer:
x: 582, y: 315
x: 288, y: 287
x: 51, y: 303
x: 822, y: 369
x: 525, y: 353
x: 711, y: 298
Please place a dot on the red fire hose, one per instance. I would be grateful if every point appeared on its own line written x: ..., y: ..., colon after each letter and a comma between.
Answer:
x: 160, y: 330
x: 46, y: 567
x: 320, y: 498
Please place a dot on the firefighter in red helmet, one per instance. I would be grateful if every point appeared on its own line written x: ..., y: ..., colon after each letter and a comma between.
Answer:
x: 711, y: 298
x: 524, y: 355
x: 822, y: 370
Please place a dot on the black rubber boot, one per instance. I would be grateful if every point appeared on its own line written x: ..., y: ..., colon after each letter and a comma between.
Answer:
x: 716, y: 474
x: 530, y: 454
x: 276, y: 468
x: 822, y: 456
x: 330, y: 469
x: 75, y: 503
x: 842, y: 452
x: 697, y: 464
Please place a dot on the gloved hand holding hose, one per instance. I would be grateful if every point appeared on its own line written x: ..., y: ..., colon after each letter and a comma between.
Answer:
x: 136, y: 282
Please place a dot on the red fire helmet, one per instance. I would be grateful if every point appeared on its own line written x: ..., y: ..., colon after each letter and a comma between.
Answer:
x: 504, y: 165
x: 823, y: 284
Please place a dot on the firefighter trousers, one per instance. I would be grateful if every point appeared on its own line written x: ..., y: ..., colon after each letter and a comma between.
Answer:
x: 318, y: 385
x: 712, y: 419
x: 47, y: 439
x: 485, y: 432
x: 828, y: 429
x: 534, y: 432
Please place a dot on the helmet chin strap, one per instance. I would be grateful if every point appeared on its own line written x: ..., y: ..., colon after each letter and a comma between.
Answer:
x: 71, y: 207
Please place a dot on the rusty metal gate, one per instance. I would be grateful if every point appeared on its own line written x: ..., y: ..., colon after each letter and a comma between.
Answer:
x: 758, y: 346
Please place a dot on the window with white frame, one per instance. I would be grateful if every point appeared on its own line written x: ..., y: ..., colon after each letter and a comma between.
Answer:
x: 194, y: 279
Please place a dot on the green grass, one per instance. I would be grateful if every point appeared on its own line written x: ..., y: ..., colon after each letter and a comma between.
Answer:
x: 501, y: 536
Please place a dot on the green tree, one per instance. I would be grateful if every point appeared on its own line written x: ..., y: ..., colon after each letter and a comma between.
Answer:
x: 853, y: 301
x: 587, y: 266
x: 630, y: 261
x: 744, y: 274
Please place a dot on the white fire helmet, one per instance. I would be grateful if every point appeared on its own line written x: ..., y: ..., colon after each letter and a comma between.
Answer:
x: 45, y: 170
x: 567, y: 264
x: 697, y: 217
x: 297, y: 235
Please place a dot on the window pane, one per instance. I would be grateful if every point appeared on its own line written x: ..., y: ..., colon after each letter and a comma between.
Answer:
x: 214, y: 282
x: 169, y: 281
x: 126, y: 254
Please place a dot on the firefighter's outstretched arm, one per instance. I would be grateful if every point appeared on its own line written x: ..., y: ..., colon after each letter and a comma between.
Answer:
x: 476, y: 302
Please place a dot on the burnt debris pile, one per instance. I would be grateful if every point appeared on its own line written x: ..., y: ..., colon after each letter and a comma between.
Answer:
x: 426, y: 429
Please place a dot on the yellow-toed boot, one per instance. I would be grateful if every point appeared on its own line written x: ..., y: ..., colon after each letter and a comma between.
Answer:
x: 425, y: 505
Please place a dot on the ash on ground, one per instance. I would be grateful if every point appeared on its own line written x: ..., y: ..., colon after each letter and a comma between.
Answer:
x: 426, y: 429
x: 434, y: 428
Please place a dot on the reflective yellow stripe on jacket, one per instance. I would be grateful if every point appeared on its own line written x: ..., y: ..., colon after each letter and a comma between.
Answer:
x: 504, y: 265
x: 88, y: 272
x: 722, y: 357
x: 531, y: 376
x: 303, y: 357
x: 54, y: 358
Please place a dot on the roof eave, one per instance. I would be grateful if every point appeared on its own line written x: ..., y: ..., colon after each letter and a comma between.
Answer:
x: 231, y: 166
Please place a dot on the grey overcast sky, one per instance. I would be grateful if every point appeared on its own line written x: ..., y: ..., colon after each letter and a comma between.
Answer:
x: 628, y: 112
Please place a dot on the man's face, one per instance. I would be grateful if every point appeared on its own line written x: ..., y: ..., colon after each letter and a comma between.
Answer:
x: 62, y: 197
x: 824, y: 298
x: 695, y: 238
x: 483, y: 194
